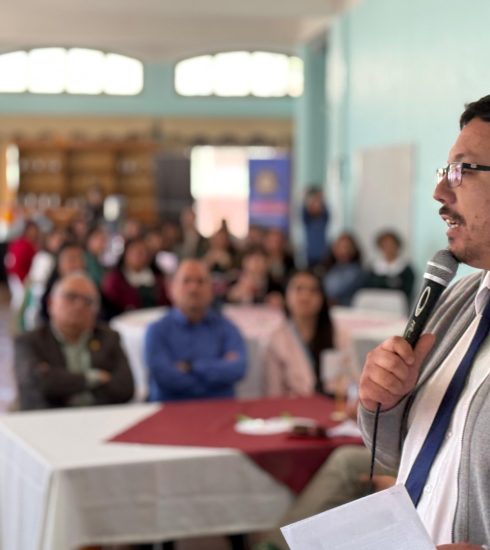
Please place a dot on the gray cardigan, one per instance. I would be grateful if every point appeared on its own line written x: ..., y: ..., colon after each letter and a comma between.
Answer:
x: 448, y: 322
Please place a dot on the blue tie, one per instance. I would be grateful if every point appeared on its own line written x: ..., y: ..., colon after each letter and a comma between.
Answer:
x: 421, y: 467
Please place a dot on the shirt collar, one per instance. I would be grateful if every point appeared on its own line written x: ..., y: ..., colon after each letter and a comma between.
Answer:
x: 383, y: 267
x: 483, y: 294
x: 82, y: 341
x: 179, y: 316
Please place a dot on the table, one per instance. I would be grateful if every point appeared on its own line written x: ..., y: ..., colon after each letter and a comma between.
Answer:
x: 256, y: 323
x: 62, y: 486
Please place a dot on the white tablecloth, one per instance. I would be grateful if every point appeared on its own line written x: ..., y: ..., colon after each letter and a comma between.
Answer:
x: 256, y: 323
x: 62, y: 486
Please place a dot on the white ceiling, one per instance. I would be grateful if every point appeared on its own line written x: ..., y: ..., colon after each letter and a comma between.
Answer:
x: 165, y: 30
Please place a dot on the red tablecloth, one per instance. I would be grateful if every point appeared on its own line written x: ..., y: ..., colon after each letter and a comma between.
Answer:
x: 292, y: 461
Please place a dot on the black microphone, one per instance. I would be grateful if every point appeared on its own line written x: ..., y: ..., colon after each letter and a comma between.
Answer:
x: 440, y: 271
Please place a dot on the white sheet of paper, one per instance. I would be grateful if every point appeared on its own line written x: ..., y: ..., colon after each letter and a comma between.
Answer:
x: 386, y: 520
x: 348, y: 428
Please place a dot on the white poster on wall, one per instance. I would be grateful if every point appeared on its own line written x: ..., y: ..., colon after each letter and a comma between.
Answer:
x: 383, y: 194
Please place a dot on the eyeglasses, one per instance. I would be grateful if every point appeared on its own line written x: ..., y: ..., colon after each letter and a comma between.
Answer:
x: 71, y: 297
x: 454, y: 172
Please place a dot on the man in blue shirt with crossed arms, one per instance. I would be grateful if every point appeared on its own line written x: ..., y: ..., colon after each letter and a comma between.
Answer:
x: 193, y: 352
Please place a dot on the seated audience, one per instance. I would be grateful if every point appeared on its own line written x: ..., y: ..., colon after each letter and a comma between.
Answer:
x: 154, y: 241
x: 72, y: 361
x: 79, y: 229
x: 193, y: 352
x: 133, y: 284
x: 95, y: 246
x: 21, y: 251
x: 42, y: 266
x: 344, y: 274
x: 220, y: 255
x: 161, y: 261
x: 221, y: 261
x: 193, y: 244
x: 390, y: 269
x: 18, y: 258
x: 132, y: 228
x: 93, y: 209
x: 280, y: 259
x: 44, y: 261
x: 254, y: 284
x: 255, y: 237
x: 71, y: 258
x: 292, y: 365
x: 170, y: 236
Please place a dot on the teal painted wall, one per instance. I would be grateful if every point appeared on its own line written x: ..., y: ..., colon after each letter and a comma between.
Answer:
x: 158, y: 98
x: 400, y: 72
x: 309, y: 164
x: 310, y: 122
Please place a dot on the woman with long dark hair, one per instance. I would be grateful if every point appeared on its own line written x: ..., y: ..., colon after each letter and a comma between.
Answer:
x: 293, y: 357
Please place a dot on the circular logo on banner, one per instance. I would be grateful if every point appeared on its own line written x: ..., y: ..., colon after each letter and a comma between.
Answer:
x: 266, y: 182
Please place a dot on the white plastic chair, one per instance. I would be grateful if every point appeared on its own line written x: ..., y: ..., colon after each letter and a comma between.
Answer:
x: 381, y: 299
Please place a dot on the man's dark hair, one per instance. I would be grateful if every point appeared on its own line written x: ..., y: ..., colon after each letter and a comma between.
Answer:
x: 476, y: 109
x: 313, y: 189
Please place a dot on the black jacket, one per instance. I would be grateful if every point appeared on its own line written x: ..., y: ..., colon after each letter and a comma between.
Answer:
x: 45, y: 382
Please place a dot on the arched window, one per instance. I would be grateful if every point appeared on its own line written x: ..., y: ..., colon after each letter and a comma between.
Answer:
x: 72, y: 71
x: 239, y: 74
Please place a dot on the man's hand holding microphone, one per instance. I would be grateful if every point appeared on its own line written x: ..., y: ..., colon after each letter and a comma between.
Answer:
x: 391, y: 370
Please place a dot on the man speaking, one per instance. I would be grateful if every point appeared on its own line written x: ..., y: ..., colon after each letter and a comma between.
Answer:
x: 434, y: 424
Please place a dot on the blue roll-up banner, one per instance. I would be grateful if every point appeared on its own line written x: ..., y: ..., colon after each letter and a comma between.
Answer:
x: 270, y: 184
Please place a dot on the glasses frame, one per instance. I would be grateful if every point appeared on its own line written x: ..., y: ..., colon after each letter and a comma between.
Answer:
x: 458, y: 168
x: 71, y: 297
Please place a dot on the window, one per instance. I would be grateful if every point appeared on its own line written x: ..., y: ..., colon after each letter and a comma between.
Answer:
x: 240, y: 74
x: 85, y: 71
x: 220, y: 186
x: 13, y: 72
x: 46, y: 71
x: 72, y: 71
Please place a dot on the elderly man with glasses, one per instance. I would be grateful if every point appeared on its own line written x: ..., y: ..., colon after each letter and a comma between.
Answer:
x: 435, y: 399
x: 73, y: 360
